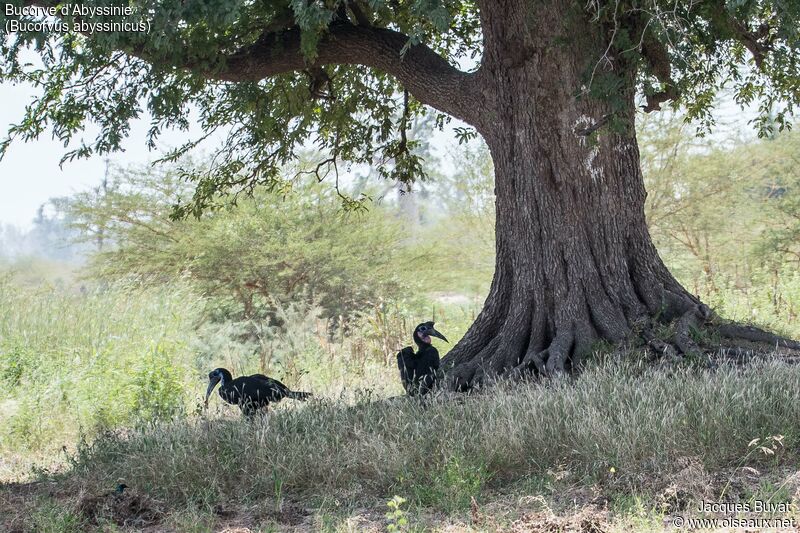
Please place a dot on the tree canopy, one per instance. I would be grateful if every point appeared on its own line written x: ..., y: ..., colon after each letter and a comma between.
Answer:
x: 348, y: 75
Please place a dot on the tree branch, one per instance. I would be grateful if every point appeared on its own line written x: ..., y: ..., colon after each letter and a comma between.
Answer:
x: 428, y: 76
x: 360, y: 13
x: 653, y: 101
x: 657, y: 56
x: 725, y: 23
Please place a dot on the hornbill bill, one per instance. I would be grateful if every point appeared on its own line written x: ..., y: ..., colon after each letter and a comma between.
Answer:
x: 418, y: 370
x: 250, y: 393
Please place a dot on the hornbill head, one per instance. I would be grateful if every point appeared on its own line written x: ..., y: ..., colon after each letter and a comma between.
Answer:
x: 424, y: 332
x: 215, y: 376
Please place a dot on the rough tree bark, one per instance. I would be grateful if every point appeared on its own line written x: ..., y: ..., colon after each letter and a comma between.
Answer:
x: 575, y: 262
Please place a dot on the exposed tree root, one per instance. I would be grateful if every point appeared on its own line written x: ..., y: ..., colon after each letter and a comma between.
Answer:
x: 660, y: 347
x: 695, y: 334
x: 682, y: 339
x: 754, y: 334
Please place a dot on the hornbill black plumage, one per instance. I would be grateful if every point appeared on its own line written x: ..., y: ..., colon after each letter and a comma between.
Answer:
x: 250, y: 393
x: 418, y: 370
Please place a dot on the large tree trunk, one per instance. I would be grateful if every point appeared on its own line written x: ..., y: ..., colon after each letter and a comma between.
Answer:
x: 575, y: 263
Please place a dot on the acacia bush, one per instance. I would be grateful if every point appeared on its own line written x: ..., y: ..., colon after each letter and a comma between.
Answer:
x: 276, y: 247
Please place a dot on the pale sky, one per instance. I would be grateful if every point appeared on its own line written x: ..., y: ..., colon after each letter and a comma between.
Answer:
x: 30, y: 173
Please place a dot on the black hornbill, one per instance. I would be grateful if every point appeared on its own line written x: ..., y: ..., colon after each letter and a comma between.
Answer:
x: 250, y: 393
x: 418, y: 370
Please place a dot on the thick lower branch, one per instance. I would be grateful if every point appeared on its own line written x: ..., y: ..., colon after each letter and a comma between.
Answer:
x: 426, y: 74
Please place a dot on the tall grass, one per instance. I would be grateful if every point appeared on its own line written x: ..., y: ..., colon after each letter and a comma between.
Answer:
x: 639, y: 421
x: 80, y: 362
x: 770, y: 297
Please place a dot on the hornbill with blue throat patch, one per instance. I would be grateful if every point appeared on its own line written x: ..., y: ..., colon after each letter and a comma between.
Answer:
x: 250, y: 393
x: 418, y: 370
